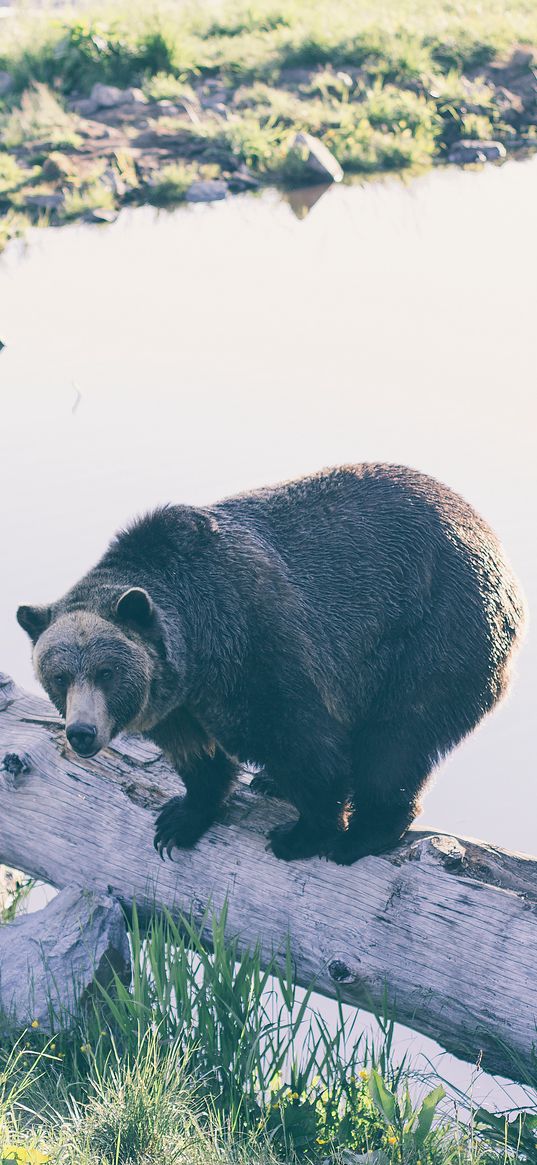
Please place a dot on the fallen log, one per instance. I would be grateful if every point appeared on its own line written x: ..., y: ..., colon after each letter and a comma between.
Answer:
x: 50, y: 961
x: 445, y: 927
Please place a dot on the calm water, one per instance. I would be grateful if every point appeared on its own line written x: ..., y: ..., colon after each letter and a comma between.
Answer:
x: 184, y: 356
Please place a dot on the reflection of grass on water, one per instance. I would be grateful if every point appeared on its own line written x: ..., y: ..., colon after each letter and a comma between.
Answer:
x: 384, y: 87
x: 208, y: 1059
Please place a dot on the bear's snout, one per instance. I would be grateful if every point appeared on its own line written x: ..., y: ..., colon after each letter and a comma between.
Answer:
x: 83, y: 738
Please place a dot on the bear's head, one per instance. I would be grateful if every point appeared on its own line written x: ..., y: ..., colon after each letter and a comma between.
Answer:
x: 104, y: 672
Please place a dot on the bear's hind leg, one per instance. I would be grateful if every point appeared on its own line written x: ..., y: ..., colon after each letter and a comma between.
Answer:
x: 313, y: 776
x: 391, y: 769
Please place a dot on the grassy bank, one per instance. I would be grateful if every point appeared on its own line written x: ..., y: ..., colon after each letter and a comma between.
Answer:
x: 221, y: 91
x: 205, y: 1059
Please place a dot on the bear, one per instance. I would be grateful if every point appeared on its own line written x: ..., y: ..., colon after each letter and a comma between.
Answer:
x: 341, y: 632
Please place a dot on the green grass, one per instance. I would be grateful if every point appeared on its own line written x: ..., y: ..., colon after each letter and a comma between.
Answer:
x: 12, y: 225
x: 385, y: 87
x: 171, y: 184
x: 85, y: 197
x: 39, y: 117
x: 400, y: 39
x: 208, y: 1058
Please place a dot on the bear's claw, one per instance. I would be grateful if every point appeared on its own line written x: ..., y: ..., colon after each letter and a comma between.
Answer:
x: 177, y: 827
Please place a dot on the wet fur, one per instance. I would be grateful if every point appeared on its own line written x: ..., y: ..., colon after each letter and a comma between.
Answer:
x: 345, y: 631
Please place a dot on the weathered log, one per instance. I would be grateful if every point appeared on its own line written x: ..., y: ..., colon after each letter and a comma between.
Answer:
x: 51, y: 960
x: 446, y: 927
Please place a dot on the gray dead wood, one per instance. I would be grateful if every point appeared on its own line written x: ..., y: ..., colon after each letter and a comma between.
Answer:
x: 448, y: 927
x: 50, y: 960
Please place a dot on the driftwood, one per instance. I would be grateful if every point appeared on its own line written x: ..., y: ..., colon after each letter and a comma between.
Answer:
x: 446, y: 927
x: 51, y: 960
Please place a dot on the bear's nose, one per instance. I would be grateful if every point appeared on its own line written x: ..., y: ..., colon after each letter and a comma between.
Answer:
x: 83, y: 738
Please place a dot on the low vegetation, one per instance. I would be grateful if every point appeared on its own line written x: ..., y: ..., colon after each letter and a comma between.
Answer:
x: 207, y: 1058
x: 228, y: 85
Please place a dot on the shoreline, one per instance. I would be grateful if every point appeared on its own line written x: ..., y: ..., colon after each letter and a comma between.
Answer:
x: 97, y: 114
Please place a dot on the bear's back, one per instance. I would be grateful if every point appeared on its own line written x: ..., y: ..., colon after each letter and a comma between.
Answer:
x: 377, y: 550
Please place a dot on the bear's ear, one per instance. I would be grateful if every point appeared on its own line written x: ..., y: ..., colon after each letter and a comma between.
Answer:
x: 135, y: 606
x: 34, y: 620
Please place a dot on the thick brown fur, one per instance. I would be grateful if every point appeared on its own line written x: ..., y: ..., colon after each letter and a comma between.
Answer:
x: 344, y: 631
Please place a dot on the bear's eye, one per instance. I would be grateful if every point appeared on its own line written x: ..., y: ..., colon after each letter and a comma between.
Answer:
x: 104, y: 675
x: 60, y: 681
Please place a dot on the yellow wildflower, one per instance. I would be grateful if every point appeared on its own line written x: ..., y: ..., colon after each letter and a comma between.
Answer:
x: 19, y: 1155
x: 392, y: 1140
x: 35, y: 1023
x: 363, y: 1074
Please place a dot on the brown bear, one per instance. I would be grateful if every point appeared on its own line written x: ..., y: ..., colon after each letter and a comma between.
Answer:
x: 342, y: 631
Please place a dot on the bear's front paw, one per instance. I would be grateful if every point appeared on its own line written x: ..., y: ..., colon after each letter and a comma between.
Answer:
x: 293, y: 841
x: 177, y: 826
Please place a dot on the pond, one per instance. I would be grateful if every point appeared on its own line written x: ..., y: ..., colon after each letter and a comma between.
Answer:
x: 187, y: 355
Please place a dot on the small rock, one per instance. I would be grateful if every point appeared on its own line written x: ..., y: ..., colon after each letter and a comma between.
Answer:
x: 6, y: 82
x: 296, y: 75
x: 206, y: 190
x: 242, y: 180
x: 522, y: 58
x: 100, y: 214
x: 212, y: 93
x: 135, y: 95
x: 85, y: 107
x: 44, y: 201
x: 318, y: 158
x: 465, y: 152
x: 107, y: 96
x: 511, y: 104
x: 57, y: 166
x: 166, y: 107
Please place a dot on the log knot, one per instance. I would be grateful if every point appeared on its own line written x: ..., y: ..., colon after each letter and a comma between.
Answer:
x: 340, y: 971
x: 15, y: 766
